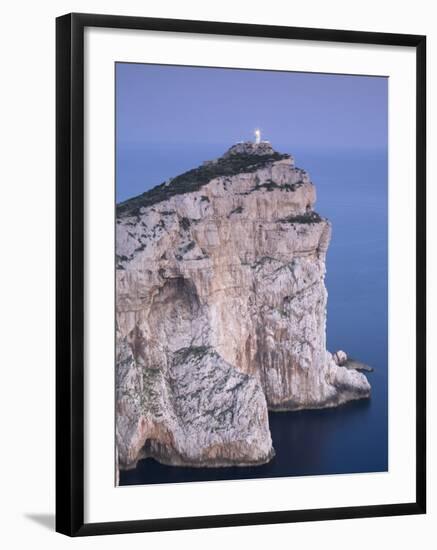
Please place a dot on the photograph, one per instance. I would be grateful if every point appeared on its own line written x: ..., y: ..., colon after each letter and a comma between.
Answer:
x: 222, y: 214
x: 251, y: 254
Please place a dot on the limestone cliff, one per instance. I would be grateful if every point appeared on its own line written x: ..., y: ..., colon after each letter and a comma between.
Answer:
x: 221, y: 311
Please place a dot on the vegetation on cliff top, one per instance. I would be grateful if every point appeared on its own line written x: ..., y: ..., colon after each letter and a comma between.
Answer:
x: 308, y: 217
x: 194, y: 179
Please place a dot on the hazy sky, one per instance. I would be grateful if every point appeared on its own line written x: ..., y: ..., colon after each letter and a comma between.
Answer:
x: 170, y: 118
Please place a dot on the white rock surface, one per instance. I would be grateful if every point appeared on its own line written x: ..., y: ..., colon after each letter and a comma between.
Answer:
x: 199, y: 411
x: 221, y: 311
x: 340, y: 357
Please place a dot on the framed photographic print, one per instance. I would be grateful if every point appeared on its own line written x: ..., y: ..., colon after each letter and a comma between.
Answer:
x: 240, y: 274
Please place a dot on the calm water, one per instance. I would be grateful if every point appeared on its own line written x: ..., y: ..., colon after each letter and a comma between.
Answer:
x: 352, y: 193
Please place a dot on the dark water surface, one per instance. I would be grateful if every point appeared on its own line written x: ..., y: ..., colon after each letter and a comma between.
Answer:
x: 352, y: 193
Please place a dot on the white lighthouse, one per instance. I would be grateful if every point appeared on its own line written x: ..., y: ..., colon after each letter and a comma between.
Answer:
x: 257, y: 136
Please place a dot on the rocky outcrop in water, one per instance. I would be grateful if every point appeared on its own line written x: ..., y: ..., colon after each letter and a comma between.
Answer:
x: 221, y: 311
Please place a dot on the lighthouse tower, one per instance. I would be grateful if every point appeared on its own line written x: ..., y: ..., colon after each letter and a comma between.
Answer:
x: 257, y: 136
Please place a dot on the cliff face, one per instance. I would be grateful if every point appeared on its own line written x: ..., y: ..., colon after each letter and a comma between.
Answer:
x: 221, y: 311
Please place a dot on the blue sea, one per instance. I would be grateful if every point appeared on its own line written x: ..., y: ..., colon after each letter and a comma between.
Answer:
x: 352, y: 193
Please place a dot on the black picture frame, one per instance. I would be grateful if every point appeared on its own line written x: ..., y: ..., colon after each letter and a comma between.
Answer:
x: 70, y: 273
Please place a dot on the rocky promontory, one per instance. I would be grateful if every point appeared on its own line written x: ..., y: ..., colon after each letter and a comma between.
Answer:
x: 221, y: 311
